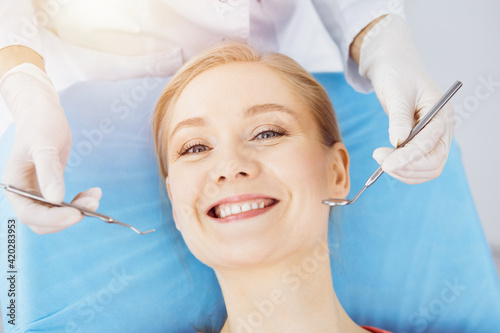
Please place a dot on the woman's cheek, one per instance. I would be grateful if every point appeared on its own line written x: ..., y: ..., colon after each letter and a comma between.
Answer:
x: 302, y: 162
x: 303, y: 169
x: 181, y: 190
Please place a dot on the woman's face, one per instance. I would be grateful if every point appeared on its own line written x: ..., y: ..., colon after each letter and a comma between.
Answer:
x: 247, y: 172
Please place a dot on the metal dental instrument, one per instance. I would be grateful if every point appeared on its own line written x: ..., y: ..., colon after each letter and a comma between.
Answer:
x: 425, y: 120
x: 86, y: 212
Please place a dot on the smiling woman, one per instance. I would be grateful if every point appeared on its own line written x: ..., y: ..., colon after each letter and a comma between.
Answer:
x: 249, y: 145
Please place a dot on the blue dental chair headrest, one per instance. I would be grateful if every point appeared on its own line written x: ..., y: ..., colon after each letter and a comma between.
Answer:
x: 411, y: 258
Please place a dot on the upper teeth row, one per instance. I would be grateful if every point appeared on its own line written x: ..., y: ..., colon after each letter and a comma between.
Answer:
x: 224, y: 210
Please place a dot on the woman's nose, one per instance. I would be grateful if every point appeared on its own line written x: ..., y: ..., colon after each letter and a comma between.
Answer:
x: 236, y: 168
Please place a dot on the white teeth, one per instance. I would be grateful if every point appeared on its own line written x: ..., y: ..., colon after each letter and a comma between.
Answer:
x: 245, y: 207
x: 225, y: 210
x: 235, y: 209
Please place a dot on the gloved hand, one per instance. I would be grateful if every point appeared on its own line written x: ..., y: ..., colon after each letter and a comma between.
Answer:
x: 40, y: 152
x: 406, y: 92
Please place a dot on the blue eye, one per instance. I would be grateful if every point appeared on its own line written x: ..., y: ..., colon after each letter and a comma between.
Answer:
x: 194, y: 149
x: 268, y: 134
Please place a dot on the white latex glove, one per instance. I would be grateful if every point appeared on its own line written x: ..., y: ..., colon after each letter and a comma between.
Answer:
x: 40, y: 152
x: 406, y: 91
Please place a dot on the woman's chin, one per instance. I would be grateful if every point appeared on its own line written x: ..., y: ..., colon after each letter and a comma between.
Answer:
x: 238, y: 257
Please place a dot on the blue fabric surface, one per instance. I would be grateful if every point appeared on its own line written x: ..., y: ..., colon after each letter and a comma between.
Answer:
x: 409, y: 258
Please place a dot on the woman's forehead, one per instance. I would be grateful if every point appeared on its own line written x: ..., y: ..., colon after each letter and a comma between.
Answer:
x: 233, y: 87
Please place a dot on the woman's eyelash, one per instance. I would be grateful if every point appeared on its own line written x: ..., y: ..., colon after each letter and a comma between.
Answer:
x: 277, y: 133
x: 189, y: 147
x: 280, y: 132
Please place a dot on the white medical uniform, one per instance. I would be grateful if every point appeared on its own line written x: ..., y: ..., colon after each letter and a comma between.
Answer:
x: 117, y: 39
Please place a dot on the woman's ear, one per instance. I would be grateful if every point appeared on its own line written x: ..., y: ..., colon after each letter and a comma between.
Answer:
x: 338, y: 167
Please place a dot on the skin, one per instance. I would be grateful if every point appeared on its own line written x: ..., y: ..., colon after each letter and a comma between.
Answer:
x: 14, y: 55
x: 262, y: 258
x: 355, y: 47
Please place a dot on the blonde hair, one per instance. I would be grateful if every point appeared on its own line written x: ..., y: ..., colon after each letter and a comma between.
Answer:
x: 297, y: 77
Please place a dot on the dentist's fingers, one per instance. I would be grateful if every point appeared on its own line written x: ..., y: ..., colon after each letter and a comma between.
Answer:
x: 88, y: 200
x: 418, y: 176
x: 401, y: 116
x: 411, y: 167
x: 49, y: 172
x: 413, y: 151
x: 380, y: 154
x: 43, y: 218
x: 423, y: 158
x: 38, y: 216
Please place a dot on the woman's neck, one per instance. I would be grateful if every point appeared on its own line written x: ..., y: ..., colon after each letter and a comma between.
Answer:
x: 292, y: 296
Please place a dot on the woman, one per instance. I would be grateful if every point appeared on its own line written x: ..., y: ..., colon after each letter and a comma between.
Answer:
x: 249, y: 146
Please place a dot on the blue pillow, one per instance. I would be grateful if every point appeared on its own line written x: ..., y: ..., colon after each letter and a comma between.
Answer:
x: 408, y: 258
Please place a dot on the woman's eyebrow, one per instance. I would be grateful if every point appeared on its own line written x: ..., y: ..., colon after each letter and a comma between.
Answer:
x: 191, y: 122
x: 251, y: 111
x: 262, y: 108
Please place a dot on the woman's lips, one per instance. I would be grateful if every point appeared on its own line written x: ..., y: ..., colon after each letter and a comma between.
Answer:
x: 236, y: 199
x: 244, y: 215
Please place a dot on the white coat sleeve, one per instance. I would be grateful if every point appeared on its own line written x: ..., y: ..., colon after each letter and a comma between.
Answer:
x: 344, y: 19
x: 19, y: 25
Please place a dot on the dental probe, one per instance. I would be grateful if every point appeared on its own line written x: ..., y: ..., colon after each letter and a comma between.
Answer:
x: 86, y: 212
x: 425, y: 120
